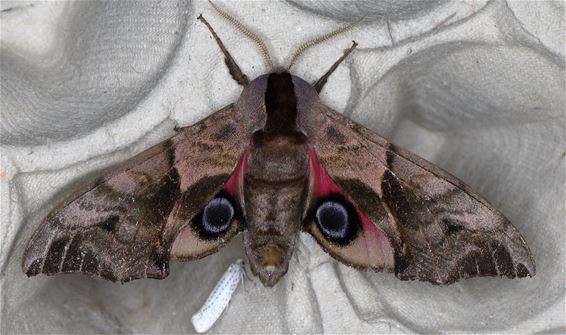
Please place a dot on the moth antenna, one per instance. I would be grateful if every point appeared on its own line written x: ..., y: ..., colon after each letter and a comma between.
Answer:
x: 248, y: 33
x: 320, y: 39
x: 233, y: 67
x: 322, y: 81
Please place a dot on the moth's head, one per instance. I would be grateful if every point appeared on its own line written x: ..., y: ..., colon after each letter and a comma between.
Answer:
x: 255, y: 97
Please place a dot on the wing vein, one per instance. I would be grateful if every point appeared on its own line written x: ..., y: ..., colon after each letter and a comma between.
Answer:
x: 48, y: 247
x: 64, y: 256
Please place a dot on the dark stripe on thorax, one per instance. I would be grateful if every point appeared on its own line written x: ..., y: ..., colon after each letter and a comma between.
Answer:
x: 280, y: 105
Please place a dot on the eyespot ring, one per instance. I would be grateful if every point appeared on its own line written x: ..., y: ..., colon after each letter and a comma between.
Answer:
x: 216, y: 217
x: 332, y: 219
x: 336, y: 218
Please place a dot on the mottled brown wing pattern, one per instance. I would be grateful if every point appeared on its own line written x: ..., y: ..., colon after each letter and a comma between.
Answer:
x: 440, y: 229
x: 121, y: 225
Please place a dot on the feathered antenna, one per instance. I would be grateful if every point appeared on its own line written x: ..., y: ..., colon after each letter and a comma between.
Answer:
x: 248, y: 33
x: 320, y: 39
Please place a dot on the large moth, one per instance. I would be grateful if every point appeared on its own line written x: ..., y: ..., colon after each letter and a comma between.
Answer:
x: 276, y: 163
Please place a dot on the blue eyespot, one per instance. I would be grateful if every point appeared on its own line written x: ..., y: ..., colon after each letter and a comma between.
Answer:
x: 332, y: 219
x: 217, y: 215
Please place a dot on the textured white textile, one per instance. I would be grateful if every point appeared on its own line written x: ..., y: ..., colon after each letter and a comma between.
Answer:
x: 476, y: 87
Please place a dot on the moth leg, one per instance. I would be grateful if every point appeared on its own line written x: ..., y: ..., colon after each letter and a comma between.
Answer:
x: 322, y: 81
x: 233, y: 67
x: 178, y: 128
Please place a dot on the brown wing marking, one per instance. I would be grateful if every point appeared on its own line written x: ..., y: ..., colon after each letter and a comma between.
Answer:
x: 120, y: 226
x: 441, y: 230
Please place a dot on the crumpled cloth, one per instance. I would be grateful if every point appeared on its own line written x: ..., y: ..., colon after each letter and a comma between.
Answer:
x: 476, y: 87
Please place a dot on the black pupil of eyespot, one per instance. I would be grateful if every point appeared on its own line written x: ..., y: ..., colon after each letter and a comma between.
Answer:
x: 217, y: 215
x: 332, y: 218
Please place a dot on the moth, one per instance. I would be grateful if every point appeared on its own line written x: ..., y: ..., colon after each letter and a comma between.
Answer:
x: 276, y: 163
x: 219, y: 298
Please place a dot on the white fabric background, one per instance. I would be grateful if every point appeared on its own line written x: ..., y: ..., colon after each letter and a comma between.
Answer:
x: 476, y: 87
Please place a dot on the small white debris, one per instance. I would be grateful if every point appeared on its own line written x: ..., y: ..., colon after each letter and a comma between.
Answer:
x: 219, y: 298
